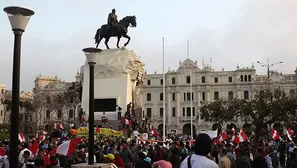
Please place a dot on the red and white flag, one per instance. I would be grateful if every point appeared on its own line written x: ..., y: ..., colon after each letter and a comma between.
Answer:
x: 233, y: 131
x: 289, y: 135
x: 155, y: 132
x: 242, y: 136
x: 34, y: 147
x: 290, y: 131
x: 67, y: 147
x: 22, y: 137
x: 59, y: 126
x: 275, y: 135
x: 126, y: 121
x: 223, y: 136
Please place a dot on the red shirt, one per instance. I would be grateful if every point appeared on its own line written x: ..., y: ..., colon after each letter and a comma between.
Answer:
x: 119, y: 162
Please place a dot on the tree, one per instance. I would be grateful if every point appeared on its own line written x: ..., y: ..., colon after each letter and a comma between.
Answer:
x: 267, y: 107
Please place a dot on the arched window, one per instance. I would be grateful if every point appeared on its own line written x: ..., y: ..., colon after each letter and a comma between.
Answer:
x: 250, y: 78
x: 230, y: 95
x: 245, y: 78
x: 241, y: 78
x: 148, y: 97
x: 203, y: 96
x: 173, y: 80
x: 203, y: 79
x: 216, y: 95
x: 161, y: 96
x: 246, y: 95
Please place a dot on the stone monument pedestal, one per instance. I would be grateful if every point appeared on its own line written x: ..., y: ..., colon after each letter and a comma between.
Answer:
x: 115, y: 75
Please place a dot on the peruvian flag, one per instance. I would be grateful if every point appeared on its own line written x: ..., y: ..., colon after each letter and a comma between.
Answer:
x: 59, y: 126
x: 223, y: 136
x: 275, y: 135
x: 216, y: 141
x: 155, y: 132
x: 34, y: 147
x: 125, y: 121
x: 47, y: 156
x: 22, y: 137
x: 289, y: 135
x: 42, y: 136
x: 242, y: 136
x: 290, y: 131
x: 67, y: 147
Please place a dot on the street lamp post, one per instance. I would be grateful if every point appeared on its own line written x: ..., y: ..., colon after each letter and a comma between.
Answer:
x: 91, y: 54
x: 18, y: 17
x: 268, y: 65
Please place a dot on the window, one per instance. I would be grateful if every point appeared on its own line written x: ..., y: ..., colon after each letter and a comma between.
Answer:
x: 173, y: 111
x: 250, y: 78
x: 149, y: 112
x: 184, y: 111
x: 148, y: 82
x: 59, y: 114
x: 71, y: 100
x: 192, y: 96
x: 230, y: 95
x: 161, y: 82
x: 230, y: 79
x: 26, y: 117
x: 173, y: 96
x: 1, y: 113
x: 173, y: 80
x: 241, y: 78
x: 188, y: 111
x: 2, y: 91
x: 48, y: 99
x: 48, y: 114
x: 161, y: 96
x: 203, y: 95
x: 71, y: 113
x: 245, y: 77
x: 188, y: 96
x: 188, y: 79
x: 216, y: 95
x: 203, y: 79
x: 216, y: 79
x: 184, y: 96
x: 148, y: 97
x: 161, y: 112
x: 246, y: 95
x: 193, y: 111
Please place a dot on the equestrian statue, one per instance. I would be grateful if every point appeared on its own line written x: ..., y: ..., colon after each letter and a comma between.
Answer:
x: 115, y: 28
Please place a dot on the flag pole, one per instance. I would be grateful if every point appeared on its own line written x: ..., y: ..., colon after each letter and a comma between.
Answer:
x: 164, y: 117
x: 191, y: 89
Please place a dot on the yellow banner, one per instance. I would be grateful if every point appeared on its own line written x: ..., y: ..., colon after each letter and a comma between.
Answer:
x: 84, y: 132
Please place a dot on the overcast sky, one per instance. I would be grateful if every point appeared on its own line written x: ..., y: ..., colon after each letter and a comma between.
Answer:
x: 228, y: 31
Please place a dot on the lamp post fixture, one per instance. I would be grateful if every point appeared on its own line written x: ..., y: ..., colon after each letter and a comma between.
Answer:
x: 268, y: 65
x: 18, y: 17
x: 91, y: 54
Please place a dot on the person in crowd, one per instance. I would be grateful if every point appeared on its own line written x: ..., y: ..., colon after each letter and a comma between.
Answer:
x: 109, y: 158
x: 259, y: 160
x: 119, y: 112
x: 104, y: 118
x: 224, y: 161
x: 272, y: 157
x: 184, y: 152
x: 25, y: 158
x: 118, y: 161
x: 292, y: 160
x: 164, y: 163
x: 141, y: 163
x: 202, y: 149
x: 39, y: 163
x: 126, y: 155
x: 243, y: 160
x: 54, y: 162
x: 230, y: 154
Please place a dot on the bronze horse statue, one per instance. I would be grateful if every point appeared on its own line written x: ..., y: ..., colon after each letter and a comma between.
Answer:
x: 120, y: 29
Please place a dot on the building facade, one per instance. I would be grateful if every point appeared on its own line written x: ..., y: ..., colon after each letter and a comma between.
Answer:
x: 51, y: 109
x: 207, y: 85
x: 2, y: 106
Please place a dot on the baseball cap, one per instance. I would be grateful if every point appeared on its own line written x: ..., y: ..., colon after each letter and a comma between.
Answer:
x: 109, y: 156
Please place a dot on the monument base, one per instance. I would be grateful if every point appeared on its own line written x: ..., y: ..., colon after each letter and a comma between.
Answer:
x: 96, y: 165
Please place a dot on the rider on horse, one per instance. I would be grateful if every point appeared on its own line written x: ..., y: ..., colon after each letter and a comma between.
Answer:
x: 111, y: 20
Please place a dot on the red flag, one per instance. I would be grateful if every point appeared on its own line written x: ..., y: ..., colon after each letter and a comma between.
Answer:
x: 155, y: 132
x: 2, y: 152
x: 126, y: 121
x: 223, y: 136
x: 290, y: 131
x: 34, y: 147
x: 68, y: 147
x: 275, y: 135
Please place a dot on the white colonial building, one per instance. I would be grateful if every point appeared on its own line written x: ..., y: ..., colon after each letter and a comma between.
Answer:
x: 207, y: 85
x: 2, y: 107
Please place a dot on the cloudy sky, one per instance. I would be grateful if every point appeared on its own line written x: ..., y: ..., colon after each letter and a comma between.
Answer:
x: 228, y: 31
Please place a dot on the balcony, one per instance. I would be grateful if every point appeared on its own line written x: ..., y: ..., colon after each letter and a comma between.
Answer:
x: 187, y: 118
x: 158, y: 118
